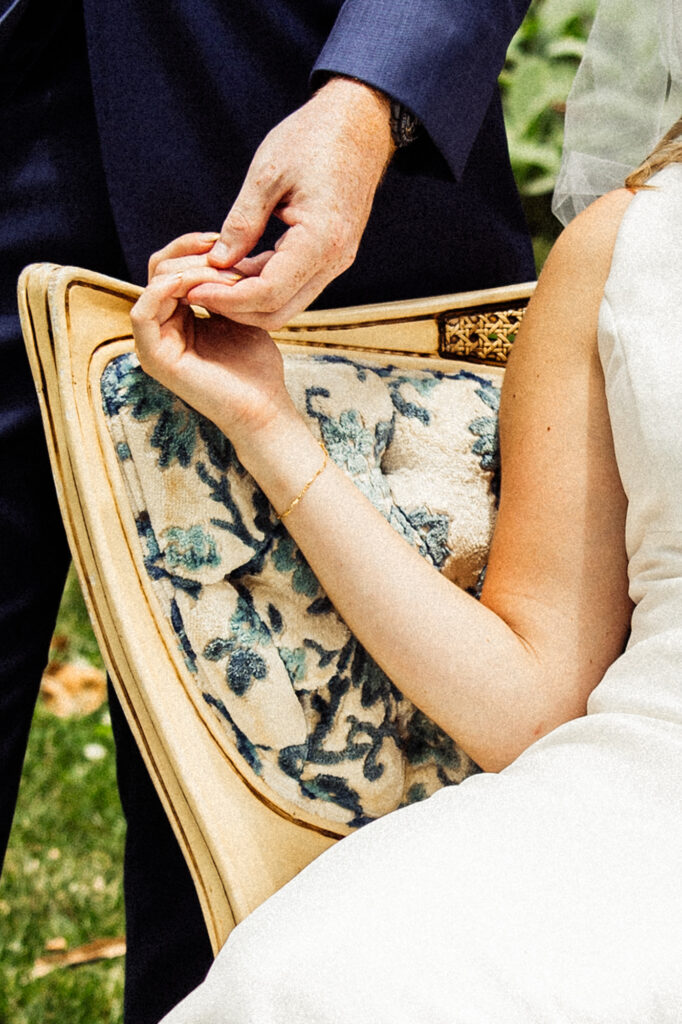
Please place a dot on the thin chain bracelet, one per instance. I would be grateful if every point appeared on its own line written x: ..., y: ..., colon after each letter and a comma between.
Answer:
x: 294, y: 503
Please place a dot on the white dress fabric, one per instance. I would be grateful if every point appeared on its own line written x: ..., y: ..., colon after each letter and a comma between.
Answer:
x: 552, y: 891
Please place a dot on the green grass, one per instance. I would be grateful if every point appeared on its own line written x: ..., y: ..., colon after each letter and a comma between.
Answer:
x: 62, y: 874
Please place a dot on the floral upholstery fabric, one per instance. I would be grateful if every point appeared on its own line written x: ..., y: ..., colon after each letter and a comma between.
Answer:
x: 296, y: 700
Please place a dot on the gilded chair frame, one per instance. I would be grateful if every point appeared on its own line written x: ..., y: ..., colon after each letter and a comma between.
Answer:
x: 240, y: 845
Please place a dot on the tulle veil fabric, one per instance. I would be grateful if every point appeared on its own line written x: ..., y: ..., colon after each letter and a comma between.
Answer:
x: 626, y: 94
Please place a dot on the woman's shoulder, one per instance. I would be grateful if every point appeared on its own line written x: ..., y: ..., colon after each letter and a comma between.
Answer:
x: 572, y: 282
x: 561, y: 323
x: 589, y: 239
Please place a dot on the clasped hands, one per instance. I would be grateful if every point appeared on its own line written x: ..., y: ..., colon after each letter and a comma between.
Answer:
x: 317, y: 171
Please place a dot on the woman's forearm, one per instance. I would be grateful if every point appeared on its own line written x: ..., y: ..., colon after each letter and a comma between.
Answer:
x: 448, y: 653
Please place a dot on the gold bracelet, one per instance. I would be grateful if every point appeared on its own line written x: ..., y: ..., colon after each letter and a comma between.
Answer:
x: 294, y: 503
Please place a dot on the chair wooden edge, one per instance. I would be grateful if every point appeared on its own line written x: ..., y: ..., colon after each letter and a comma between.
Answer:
x: 37, y: 329
x: 417, y: 326
x: 217, y: 869
x: 411, y: 326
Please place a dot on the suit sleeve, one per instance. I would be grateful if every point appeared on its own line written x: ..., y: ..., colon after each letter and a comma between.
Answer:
x: 440, y: 58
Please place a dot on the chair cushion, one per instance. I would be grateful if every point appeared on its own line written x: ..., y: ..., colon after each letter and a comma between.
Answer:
x: 296, y: 701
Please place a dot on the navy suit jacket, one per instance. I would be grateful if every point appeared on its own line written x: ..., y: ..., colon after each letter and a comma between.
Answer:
x: 185, y: 90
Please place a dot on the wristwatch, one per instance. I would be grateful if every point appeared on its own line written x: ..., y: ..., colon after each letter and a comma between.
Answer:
x: 405, y: 126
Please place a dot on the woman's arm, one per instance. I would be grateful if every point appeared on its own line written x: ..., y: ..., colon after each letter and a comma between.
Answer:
x: 495, y: 674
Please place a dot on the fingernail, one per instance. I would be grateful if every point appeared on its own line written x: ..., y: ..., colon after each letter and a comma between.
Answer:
x: 209, y: 236
x: 220, y: 252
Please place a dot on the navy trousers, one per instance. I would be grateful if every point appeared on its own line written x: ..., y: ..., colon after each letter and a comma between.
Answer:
x: 55, y: 207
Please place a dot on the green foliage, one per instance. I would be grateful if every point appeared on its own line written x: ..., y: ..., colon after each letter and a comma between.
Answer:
x: 541, y: 63
x: 62, y: 875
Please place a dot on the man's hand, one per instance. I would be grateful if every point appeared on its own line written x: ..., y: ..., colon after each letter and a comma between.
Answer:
x: 317, y: 171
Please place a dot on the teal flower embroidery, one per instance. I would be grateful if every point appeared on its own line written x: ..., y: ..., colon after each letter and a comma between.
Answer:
x: 247, y: 633
x: 287, y: 558
x: 125, y: 385
x: 486, y: 429
x: 244, y: 666
x: 348, y: 442
x: 190, y: 549
x: 294, y: 662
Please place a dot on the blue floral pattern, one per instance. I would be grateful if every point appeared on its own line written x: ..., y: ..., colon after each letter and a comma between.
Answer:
x: 296, y: 700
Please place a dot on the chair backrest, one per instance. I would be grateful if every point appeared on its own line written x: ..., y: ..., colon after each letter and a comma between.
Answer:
x: 269, y: 732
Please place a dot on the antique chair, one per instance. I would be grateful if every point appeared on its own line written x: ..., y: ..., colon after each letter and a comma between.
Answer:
x: 268, y: 731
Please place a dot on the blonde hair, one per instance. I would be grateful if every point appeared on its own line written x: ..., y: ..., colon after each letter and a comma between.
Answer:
x: 668, y: 151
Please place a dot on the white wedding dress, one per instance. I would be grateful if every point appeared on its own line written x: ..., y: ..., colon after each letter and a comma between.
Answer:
x: 551, y: 892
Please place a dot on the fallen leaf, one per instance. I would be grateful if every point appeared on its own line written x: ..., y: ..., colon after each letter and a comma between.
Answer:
x: 98, y: 949
x: 73, y: 689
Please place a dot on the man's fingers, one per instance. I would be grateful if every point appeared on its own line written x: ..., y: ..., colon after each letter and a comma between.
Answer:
x: 299, y: 258
x: 253, y: 265
x: 216, y: 300
x: 285, y: 283
x: 216, y: 303
x: 248, y: 218
x: 194, y: 243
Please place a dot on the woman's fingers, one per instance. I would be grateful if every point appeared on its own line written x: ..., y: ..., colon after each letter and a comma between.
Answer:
x: 196, y: 265
x: 195, y: 243
x: 155, y: 306
x: 244, y: 304
x: 158, y: 300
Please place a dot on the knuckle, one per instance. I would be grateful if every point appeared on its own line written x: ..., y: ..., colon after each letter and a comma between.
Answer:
x: 153, y: 262
x: 336, y: 243
x: 270, y: 300
x: 348, y: 258
x: 263, y: 170
x: 237, y: 221
x: 272, y: 321
x: 339, y: 239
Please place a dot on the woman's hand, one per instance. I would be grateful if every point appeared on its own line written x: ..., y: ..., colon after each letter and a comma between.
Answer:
x: 230, y: 373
